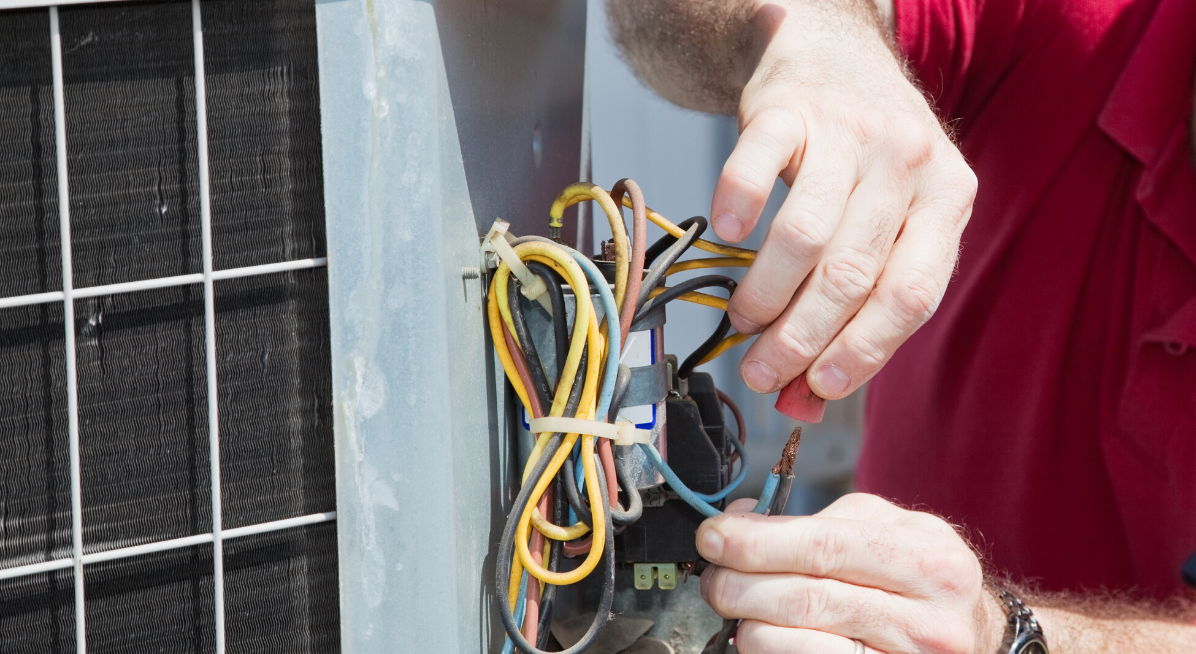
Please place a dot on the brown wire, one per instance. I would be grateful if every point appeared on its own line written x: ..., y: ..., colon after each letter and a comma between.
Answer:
x: 524, y: 374
x: 740, y: 424
x: 639, y: 247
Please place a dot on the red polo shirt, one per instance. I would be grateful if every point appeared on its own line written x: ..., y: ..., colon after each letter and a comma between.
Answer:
x: 1050, y: 404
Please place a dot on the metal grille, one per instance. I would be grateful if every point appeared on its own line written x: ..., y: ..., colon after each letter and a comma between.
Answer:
x: 181, y: 510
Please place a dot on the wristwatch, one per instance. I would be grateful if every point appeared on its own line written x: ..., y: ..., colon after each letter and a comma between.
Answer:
x: 1023, y: 634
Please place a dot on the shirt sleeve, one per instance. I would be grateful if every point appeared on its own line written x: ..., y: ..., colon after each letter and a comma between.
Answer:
x: 958, y: 48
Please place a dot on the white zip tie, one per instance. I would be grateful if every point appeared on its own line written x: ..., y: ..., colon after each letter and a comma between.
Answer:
x: 622, y: 433
x: 497, y: 242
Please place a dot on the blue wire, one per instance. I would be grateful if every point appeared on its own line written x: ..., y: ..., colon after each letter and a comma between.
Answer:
x: 612, y: 320
x: 508, y: 647
x: 743, y: 468
x: 693, y: 499
x: 769, y: 492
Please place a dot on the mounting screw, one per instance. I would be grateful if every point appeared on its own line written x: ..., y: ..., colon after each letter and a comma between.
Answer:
x: 468, y: 273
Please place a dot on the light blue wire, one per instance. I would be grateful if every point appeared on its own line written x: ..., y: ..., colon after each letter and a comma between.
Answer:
x: 508, y: 647
x: 612, y: 320
x: 614, y: 339
x: 769, y: 492
x: 743, y: 468
x: 691, y: 498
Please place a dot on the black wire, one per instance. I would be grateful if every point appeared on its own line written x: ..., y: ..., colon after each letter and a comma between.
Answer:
x: 619, y: 515
x: 548, y: 598
x: 535, y: 368
x: 687, y: 286
x: 707, y: 346
x: 664, y: 242
x: 506, y: 549
x: 656, y: 274
x: 560, y: 323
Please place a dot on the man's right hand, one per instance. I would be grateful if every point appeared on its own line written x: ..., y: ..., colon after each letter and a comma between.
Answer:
x: 862, y: 249
x: 860, y: 253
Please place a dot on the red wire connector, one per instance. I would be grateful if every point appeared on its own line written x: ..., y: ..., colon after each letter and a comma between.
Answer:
x: 797, y: 401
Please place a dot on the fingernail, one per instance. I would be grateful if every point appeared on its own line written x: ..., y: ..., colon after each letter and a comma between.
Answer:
x: 704, y: 581
x: 728, y: 226
x: 831, y: 380
x: 743, y: 325
x: 711, y: 545
x: 759, y: 377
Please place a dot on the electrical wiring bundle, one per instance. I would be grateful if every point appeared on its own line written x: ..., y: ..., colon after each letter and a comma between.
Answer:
x: 577, y: 492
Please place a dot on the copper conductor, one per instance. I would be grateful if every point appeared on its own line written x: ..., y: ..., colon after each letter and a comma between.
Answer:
x: 785, y: 465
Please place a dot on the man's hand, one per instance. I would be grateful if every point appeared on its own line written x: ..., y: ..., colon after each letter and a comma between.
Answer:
x: 899, y: 581
x: 860, y: 253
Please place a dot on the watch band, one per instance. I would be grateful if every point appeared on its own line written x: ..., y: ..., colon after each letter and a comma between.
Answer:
x: 1023, y: 633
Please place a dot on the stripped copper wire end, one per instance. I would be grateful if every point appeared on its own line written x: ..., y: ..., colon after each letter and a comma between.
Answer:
x: 789, y: 454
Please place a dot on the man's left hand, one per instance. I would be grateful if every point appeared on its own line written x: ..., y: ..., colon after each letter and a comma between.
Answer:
x: 902, y: 582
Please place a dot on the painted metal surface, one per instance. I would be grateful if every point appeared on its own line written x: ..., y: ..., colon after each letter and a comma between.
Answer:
x: 430, y: 113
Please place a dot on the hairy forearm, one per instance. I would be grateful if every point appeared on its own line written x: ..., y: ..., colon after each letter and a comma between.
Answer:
x: 701, y: 53
x: 1105, y: 625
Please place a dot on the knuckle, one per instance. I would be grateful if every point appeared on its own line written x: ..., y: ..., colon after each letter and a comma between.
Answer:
x: 804, y: 603
x: 824, y: 553
x: 865, y: 350
x: 745, y: 175
x: 794, y: 344
x: 914, y: 298
x: 851, y: 276
x: 803, y: 236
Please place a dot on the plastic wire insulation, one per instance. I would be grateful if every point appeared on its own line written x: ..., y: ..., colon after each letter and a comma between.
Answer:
x: 503, y: 574
x: 711, y: 301
x: 531, y: 356
x: 669, y: 256
x: 771, y: 482
x: 709, y: 262
x: 689, y: 285
x: 740, y: 423
x: 596, y: 509
x: 726, y: 344
x: 548, y: 599
x: 520, y: 609
x: 702, y: 351
x: 639, y: 244
x: 575, y: 193
x: 500, y: 347
x: 713, y: 248
x: 537, y: 403
x: 556, y: 294
x: 730, y: 487
x: 584, y: 310
x: 609, y: 306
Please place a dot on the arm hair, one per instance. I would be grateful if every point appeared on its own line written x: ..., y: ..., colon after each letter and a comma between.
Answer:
x: 699, y: 54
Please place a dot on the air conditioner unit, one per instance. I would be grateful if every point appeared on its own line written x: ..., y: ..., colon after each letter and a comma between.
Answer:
x: 246, y: 402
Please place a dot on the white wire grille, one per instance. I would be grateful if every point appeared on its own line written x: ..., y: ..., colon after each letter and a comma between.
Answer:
x: 217, y: 536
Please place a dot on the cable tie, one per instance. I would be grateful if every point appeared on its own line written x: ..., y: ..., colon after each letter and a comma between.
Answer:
x: 498, y: 241
x: 621, y: 433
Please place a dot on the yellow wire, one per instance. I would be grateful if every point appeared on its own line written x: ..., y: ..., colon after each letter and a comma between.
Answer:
x: 597, y: 502
x: 500, y: 345
x: 712, y: 262
x: 575, y: 193
x: 724, y: 345
x: 695, y: 297
x: 677, y: 232
x: 589, y: 391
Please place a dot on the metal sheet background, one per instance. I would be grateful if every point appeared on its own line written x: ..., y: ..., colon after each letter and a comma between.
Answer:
x: 428, y: 115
